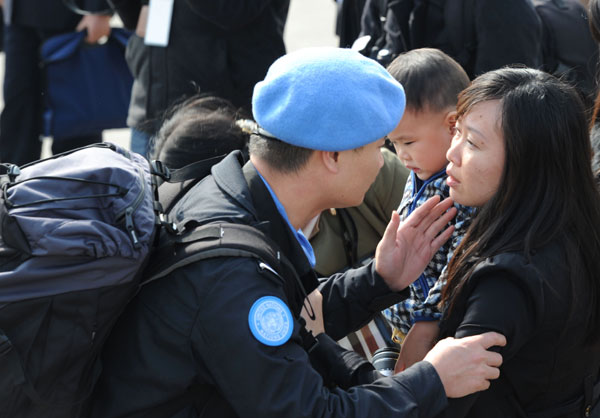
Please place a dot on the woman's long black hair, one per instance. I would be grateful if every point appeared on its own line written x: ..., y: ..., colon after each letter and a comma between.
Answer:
x: 547, y: 190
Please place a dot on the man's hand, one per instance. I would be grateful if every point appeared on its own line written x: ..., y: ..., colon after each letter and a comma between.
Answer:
x: 406, y: 248
x: 97, y: 26
x: 419, y: 340
x: 314, y: 325
x: 464, y: 364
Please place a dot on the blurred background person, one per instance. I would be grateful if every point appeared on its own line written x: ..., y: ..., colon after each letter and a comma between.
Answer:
x: 28, y: 23
x: 222, y: 48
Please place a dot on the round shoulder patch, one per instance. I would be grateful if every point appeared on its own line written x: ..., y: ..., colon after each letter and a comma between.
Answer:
x: 270, y: 321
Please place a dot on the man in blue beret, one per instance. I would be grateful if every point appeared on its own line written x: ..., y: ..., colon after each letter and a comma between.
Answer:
x: 229, y: 336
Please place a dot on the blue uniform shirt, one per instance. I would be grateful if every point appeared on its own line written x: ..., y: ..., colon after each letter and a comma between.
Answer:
x: 302, y: 240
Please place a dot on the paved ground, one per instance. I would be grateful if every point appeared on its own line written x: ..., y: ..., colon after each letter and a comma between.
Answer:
x: 310, y: 23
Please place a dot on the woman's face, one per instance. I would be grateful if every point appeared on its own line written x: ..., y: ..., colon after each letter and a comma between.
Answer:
x: 476, y: 155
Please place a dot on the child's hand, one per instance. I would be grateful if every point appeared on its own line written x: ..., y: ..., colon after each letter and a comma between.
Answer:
x: 420, y: 339
x: 315, y: 324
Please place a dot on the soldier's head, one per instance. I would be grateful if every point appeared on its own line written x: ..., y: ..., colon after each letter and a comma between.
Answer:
x: 330, y: 104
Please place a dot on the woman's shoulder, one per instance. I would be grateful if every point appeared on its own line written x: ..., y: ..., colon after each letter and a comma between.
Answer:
x: 535, y: 270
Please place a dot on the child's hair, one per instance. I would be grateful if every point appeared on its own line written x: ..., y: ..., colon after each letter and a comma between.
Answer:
x: 200, y: 127
x: 431, y: 79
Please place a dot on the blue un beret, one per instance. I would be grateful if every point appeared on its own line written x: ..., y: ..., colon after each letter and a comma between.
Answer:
x: 328, y: 99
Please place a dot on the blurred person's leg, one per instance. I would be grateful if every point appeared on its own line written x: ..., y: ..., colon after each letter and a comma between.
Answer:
x: 20, y: 121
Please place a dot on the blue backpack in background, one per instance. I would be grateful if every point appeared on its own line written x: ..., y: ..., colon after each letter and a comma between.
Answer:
x: 87, y: 87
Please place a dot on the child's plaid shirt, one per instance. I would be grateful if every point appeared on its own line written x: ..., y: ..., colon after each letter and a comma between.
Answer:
x: 424, y: 295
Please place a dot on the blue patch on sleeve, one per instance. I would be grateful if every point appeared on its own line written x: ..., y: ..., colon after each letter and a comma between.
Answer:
x: 271, y: 321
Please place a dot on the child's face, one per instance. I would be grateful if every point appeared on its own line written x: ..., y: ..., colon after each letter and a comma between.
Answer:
x: 421, y: 140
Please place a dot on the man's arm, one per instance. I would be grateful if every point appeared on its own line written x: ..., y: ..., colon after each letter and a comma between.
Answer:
x: 464, y: 366
x: 351, y: 299
x: 273, y: 381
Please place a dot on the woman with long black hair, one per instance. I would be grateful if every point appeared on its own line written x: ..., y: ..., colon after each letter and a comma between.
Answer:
x: 529, y: 266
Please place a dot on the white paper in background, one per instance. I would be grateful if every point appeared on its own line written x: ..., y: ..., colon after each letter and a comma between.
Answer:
x: 159, y: 22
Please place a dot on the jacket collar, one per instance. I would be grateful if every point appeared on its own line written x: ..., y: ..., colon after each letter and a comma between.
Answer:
x: 245, y: 186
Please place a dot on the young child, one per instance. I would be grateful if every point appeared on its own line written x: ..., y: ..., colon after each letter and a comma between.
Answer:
x: 432, y: 81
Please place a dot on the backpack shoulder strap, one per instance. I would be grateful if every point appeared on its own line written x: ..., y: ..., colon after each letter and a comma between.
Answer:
x: 215, y: 240
x: 178, y: 182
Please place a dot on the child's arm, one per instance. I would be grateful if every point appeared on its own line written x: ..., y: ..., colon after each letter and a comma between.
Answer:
x: 424, y: 333
x: 420, y: 339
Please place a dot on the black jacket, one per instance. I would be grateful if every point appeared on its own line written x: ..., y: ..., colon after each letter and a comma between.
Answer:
x: 191, y: 328
x: 545, y: 360
x: 482, y: 35
x: 217, y: 47
x: 48, y: 14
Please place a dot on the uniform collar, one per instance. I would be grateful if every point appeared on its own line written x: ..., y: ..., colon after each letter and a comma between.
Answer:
x: 273, y: 224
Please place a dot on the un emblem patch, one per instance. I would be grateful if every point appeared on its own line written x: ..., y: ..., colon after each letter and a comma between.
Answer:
x: 270, y: 321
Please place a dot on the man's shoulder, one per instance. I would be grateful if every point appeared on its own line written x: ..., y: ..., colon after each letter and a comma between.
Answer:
x: 186, y: 289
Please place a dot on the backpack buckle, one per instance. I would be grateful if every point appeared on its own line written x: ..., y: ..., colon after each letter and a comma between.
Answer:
x: 10, y: 170
x: 164, y: 221
x: 160, y: 169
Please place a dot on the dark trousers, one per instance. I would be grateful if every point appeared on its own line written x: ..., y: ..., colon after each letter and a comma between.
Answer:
x: 21, y: 119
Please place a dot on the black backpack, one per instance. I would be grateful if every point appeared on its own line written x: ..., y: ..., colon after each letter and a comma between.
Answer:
x: 76, y: 232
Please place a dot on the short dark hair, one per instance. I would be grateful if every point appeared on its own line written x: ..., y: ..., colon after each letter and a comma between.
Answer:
x: 431, y: 79
x: 279, y: 155
x: 547, y: 190
x: 200, y: 127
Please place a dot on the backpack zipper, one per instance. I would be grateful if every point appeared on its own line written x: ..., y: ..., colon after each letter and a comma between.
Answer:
x: 127, y: 213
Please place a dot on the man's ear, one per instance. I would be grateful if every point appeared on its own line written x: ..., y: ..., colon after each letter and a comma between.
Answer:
x: 450, y: 121
x: 330, y: 160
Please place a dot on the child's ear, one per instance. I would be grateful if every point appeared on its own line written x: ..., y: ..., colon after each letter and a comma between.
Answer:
x: 450, y: 121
